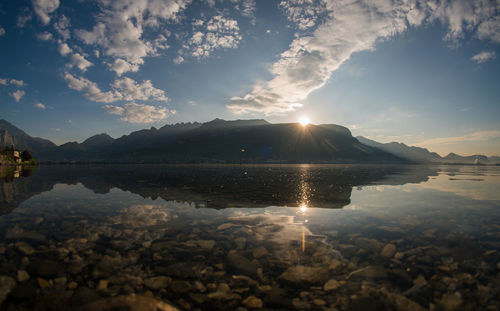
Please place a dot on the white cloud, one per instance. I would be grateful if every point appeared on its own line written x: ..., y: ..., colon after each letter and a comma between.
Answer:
x: 77, y: 60
x: 64, y: 49
x: 246, y: 7
x: 121, y: 66
x: 44, y: 36
x: 178, y: 60
x: 40, y: 105
x: 23, y: 18
x: 90, y: 89
x: 139, y: 113
x: 484, y: 56
x: 350, y: 27
x: 120, y: 27
x: 304, y: 13
x: 2, y: 31
x: 218, y: 32
x: 131, y: 90
x: 62, y: 27
x: 122, y: 89
x: 43, y: 8
x: 472, y: 137
x: 17, y: 95
x: 18, y: 83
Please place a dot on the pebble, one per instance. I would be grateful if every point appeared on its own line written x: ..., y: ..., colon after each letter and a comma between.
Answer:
x: 7, y: 283
x: 22, y: 275
x: 331, y: 285
x: 335, y: 265
x: 25, y: 248
x: 102, y: 285
x: 304, y: 275
x: 259, y: 252
x: 319, y: 302
x: 253, y: 302
x: 43, y: 283
x: 225, y: 226
x: 158, y: 282
x: 72, y: 285
x: 451, y: 302
x: 388, y: 251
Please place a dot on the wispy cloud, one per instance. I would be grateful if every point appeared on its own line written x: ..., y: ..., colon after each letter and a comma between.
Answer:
x: 484, y: 56
x: 472, y: 137
x: 139, y: 113
x: 350, y: 27
x: 40, y: 106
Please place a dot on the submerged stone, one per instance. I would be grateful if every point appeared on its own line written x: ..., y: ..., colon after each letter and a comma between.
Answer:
x: 298, y: 275
x: 252, y: 302
x: 158, y: 282
x: 6, y: 285
x: 388, y: 251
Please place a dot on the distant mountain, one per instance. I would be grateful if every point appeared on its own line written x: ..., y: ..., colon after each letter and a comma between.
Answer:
x: 453, y: 158
x: 414, y: 154
x: 12, y: 136
x: 422, y: 155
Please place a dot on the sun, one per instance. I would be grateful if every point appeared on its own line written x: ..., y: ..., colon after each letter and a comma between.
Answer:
x: 304, y: 121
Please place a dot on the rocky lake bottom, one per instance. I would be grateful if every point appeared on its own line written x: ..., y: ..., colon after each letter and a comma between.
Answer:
x: 413, y: 243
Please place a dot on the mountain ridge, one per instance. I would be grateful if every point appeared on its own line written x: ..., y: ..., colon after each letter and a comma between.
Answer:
x: 254, y: 140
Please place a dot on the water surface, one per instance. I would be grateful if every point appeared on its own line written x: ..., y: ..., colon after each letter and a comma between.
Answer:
x: 325, y: 237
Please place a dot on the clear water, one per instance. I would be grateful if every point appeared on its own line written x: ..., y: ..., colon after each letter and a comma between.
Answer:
x: 325, y: 237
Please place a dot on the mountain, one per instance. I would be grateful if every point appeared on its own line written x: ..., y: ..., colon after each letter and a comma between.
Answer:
x: 12, y: 136
x: 414, y: 154
x: 225, y: 141
x: 422, y: 155
x: 252, y: 141
x: 453, y: 158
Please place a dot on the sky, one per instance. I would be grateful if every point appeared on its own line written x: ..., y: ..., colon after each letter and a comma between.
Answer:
x: 425, y: 73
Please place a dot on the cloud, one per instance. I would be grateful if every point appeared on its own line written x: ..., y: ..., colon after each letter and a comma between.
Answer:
x: 43, y: 8
x: 23, y: 18
x: 472, y: 137
x: 17, y: 95
x: 44, y: 36
x: 131, y: 90
x: 18, y: 83
x: 218, y: 32
x: 62, y: 27
x: 121, y: 66
x: 77, y: 60
x: 484, y: 56
x: 139, y: 113
x: 246, y: 7
x: 349, y: 27
x: 120, y: 27
x: 2, y: 31
x: 178, y: 60
x: 40, y: 105
x: 90, y: 89
x: 121, y: 89
x: 304, y: 14
x: 64, y: 49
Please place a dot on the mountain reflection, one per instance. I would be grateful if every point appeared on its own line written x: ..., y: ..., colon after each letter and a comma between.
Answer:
x: 217, y: 186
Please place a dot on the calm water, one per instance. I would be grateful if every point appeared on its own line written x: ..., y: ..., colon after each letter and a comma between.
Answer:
x: 330, y: 237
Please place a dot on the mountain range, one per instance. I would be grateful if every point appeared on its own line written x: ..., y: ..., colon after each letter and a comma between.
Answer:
x: 248, y: 141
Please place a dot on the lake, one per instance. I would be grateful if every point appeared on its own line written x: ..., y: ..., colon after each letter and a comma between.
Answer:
x: 243, y: 237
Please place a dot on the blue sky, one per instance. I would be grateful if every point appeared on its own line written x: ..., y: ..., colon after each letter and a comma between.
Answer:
x: 420, y: 72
